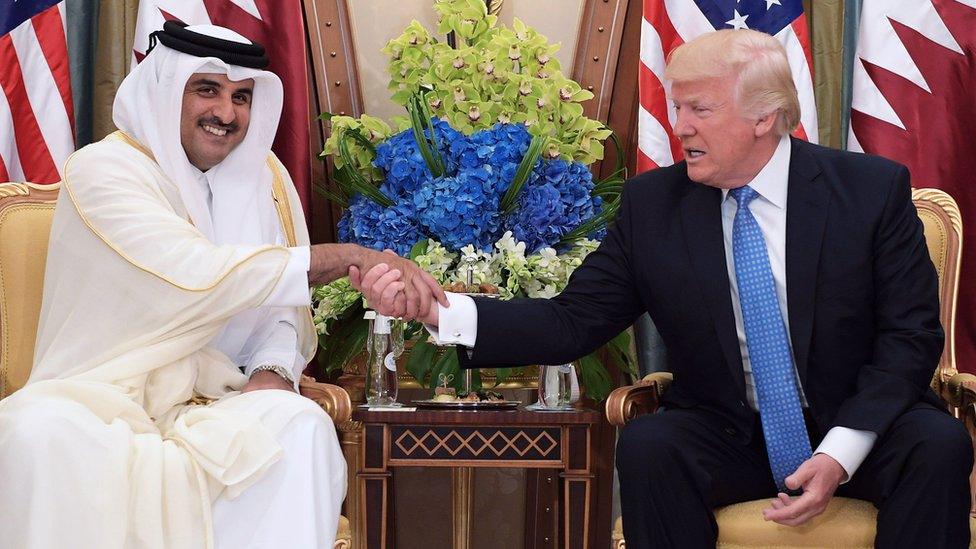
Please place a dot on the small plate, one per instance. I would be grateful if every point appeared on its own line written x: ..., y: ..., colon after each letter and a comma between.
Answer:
x: 466, y: 405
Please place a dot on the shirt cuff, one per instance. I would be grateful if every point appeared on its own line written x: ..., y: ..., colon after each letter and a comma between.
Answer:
x: 457, y: 324
x: 848, y: 447
x: 292, y: 360
x: 292, y: 289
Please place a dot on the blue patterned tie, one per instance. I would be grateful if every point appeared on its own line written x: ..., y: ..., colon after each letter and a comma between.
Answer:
x: 787, y: 442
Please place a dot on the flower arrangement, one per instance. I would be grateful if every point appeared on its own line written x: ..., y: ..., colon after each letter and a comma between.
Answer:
x: 485, y: 179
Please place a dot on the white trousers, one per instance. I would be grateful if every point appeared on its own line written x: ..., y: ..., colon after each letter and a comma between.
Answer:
x: 62, y: 470
x: 296, y: 503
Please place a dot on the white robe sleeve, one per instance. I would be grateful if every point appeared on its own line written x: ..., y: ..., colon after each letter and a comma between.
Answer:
x: 275, y: 342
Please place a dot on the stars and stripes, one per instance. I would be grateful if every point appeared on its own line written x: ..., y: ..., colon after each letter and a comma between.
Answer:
x: 36, y: 112
x: 669, y: 23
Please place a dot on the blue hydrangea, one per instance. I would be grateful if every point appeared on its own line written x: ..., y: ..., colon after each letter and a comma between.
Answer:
x: 460, y: 210
x: 368, y: 224
x: 462, y: 207
x: 556, y: 199
x: 501, y: 147
x: 404, y: 166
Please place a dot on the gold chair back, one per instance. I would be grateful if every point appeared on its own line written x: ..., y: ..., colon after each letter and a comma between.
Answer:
x: 942, y: 223
x: 26, y: 211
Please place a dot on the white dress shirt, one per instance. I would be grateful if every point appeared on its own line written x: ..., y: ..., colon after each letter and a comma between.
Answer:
x: 459, y: 323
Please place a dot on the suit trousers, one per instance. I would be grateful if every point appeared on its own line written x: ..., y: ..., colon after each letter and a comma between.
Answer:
x: 677, y: 465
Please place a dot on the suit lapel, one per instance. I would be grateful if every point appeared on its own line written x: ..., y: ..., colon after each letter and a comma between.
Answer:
x: 701, y: 218
x: 806, y: 216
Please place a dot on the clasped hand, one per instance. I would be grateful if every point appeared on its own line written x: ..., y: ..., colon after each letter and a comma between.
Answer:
x: 397, y: 287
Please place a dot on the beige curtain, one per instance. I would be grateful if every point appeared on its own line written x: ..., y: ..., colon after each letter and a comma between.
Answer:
x: 827, y: 33
x: 116, y: 25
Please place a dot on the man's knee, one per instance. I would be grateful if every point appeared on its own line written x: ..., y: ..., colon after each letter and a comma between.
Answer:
x: 647, y: 444
x: 944, y: 449
x: 46, y: 425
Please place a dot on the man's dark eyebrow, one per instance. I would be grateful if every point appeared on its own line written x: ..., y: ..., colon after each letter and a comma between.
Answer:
x: 247, y: 90
x: 205, y: 82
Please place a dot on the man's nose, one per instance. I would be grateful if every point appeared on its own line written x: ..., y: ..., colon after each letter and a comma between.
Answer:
x: 223, y: 110
x: 682, y: 125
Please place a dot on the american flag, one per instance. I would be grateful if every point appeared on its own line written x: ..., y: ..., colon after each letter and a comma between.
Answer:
x: 669, y: 23
x: 912, y: 101
x: 36, y: 113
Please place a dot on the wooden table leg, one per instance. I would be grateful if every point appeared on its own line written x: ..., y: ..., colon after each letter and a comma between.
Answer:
x: 576, y: 505
x: 376, y: 487
x: 462, y: 482
x: 576, y: 485
x: 542, y: 508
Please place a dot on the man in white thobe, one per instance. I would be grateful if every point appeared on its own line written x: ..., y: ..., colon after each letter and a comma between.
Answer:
x: 162, y: 409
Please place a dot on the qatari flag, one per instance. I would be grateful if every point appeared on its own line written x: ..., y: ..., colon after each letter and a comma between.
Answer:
x: 279, y: 27
x: 912, y: 101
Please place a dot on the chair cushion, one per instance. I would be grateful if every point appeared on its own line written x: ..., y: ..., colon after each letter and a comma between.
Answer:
x: 738, y: 523
x: 846, y: 523
x: 24, y: 230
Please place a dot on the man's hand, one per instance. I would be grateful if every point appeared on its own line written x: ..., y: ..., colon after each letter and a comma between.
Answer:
x: 397, y: 287
x: 819, y: 476
x: 266, y: 379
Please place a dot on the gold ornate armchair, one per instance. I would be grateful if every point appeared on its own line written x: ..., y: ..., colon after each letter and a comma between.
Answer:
x: 26, y: 211
x: 846, y: 522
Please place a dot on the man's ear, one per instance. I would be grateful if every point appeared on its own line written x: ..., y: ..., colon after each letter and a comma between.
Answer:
x: 766, y: 123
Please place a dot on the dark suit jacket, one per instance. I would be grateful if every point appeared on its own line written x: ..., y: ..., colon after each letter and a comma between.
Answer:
x: 862, y: 293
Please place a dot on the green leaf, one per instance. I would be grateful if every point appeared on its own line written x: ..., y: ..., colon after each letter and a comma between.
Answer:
x: 594, y: 377
x: 424, y: 107
x: 358, y: 136
x: 336, y: 197
x: 447, y: 363
x: 347, y: 340
x: 510, y: 200
x: 595, y: 223
x: 431, y: 155
x: 421, y: 360
x: 501, y: 374
x: 419, y: 249
x: 356, y: 183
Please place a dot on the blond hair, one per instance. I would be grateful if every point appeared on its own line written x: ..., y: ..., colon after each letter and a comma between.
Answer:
x: 764, y: 83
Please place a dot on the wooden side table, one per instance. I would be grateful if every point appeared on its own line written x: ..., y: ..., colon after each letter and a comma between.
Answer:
x: 467, y: 439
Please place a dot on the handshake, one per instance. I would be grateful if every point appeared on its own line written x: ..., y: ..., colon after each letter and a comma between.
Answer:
x: 393, y: 286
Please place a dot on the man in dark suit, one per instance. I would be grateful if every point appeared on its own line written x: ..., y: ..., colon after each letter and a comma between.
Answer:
x: 793, y: 289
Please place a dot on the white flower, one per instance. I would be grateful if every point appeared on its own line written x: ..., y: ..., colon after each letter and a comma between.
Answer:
x: 436, y: 261
x: 330, y: 301
x: 507, y: 244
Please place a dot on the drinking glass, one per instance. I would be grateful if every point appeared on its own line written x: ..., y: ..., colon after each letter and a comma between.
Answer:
x: 555, y: 386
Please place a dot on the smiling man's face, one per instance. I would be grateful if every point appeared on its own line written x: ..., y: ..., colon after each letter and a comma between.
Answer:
x: 216, y: 113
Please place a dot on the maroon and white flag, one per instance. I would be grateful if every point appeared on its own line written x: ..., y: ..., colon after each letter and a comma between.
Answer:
x: 913, y: 101
x: 278, y: 25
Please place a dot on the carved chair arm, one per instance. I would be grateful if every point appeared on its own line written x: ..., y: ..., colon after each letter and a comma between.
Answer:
x: 960, y: 394
x: 626, y: 403
x: 332, y: 398
x: 960, y: 390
